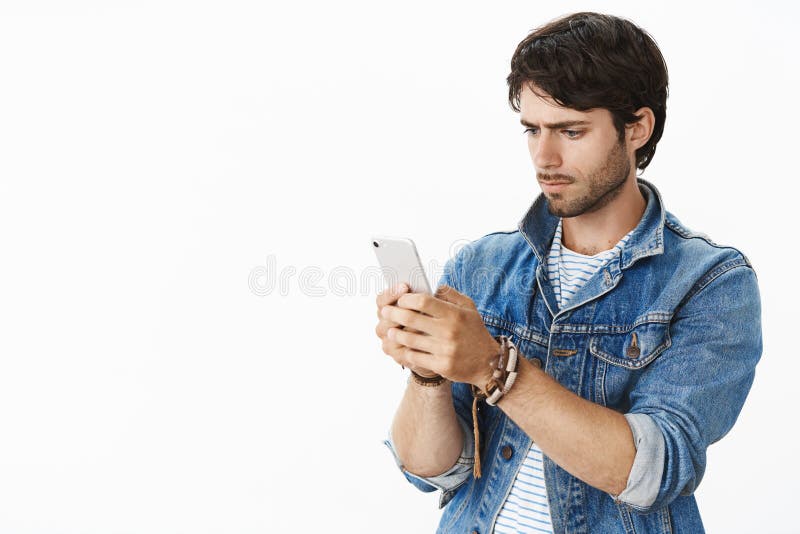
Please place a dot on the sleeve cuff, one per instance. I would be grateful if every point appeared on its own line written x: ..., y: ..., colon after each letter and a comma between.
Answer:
x: 449, y: 481
x: 644, y: 480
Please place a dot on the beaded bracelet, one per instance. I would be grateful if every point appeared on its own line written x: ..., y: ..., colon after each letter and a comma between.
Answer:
x: 509, y: 377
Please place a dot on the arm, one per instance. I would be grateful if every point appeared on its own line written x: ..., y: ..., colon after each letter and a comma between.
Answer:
x: 688, y: 398
x: 426, y: 434
x: 694, y: 391
x: 431, y: 436
x: 592, y: 442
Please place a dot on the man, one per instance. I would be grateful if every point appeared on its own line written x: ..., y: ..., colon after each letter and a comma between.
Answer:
x: 640, y: 338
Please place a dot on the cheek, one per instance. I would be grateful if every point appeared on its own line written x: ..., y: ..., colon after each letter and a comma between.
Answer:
x: 584, y: 158
x: 531, y: 147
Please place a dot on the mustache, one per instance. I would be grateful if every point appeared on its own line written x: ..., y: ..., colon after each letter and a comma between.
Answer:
x: 550, y: 178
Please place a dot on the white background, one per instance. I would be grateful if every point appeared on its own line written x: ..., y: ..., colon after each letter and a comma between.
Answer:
x: 155, y: 155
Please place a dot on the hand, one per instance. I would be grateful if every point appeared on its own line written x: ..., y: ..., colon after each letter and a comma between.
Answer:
x: 449, y: 338
x: 389, y: 297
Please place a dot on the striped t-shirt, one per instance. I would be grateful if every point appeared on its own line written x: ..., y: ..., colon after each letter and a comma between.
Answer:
x: 526, y: 508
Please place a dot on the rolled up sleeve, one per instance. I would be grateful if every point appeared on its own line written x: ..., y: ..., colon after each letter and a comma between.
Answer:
x: 644, y: 480
x: 449, y: 481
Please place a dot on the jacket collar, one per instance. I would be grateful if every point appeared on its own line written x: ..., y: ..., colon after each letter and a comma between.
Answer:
x: 538, y: 227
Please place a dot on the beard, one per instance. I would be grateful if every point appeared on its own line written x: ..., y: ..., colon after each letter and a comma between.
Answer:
x: 605, y: 184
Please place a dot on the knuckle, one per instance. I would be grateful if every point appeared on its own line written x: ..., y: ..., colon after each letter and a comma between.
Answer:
x: 402, y: 316
x: 400, y: 337
x: 425, y: 300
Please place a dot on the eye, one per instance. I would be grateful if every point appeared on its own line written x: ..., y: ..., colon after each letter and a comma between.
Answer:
x: 572, y: 134
x: 530, y: 131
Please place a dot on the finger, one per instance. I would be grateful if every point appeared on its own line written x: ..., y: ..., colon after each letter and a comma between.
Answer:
x: 381, y: 328
x: 391, y: 348
x: 413, y: 359
x: 424, y: 303
x: 419, y: 342
x: 400, y: 355
x: 378, y: 313
x: 384, y: 325
x: 411, y: 319
x: 450, y: 294
x: 390, y: 295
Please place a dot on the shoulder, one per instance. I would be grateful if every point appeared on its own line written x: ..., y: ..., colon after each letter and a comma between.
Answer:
x: 488, y: 264
x: 495, y: 249
x: 689, y: 250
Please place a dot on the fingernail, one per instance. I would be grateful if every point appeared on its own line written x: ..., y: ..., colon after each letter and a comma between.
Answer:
x: 401, y: 288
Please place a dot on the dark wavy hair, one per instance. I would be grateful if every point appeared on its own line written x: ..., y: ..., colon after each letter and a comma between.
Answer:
x: 591, y: 60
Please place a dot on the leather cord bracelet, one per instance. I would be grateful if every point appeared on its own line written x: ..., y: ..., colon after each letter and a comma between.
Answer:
x: 504, y: 374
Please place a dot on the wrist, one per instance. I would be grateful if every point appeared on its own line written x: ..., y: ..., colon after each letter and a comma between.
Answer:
x: 428, y: 392
x: 428, y: 381
x: 529, y: 373
x: 486, y: 377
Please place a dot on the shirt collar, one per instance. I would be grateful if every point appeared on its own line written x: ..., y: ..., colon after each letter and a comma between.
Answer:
x: 538, y: 227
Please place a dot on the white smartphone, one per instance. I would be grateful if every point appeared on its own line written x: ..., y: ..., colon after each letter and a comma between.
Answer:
x: 400, y: 262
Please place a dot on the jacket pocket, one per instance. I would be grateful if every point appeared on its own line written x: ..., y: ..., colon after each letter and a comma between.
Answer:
x: 633, y: 347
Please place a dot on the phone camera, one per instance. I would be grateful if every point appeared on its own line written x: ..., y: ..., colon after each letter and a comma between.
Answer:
x: 375, y: 244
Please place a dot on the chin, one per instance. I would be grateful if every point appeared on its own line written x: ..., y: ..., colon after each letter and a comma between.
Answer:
x: 559, y: 207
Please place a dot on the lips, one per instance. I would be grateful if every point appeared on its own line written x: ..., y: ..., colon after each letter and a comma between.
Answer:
x: 554, y: 187
x: 554, y: 179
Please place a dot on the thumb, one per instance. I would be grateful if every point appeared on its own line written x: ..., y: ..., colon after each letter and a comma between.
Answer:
x: 451, y: 295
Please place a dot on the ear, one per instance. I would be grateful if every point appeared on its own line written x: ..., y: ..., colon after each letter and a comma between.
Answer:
x: 640, y: 131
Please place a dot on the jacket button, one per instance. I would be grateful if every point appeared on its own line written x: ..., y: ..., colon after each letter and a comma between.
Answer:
x: 507, y: 452
x: 632, y: 352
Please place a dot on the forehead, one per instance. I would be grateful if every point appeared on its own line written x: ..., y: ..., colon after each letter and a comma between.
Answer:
x: 542, y: 109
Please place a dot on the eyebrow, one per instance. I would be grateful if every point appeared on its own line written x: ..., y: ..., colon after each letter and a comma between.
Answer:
x: 555, y: 125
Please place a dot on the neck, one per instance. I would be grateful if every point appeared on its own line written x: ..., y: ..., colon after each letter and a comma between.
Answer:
x: 591, y: 233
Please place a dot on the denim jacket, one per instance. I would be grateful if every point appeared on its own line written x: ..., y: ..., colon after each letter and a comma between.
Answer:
x: 668, y: 333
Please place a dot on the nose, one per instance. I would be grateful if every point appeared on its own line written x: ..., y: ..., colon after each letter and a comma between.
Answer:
x: 544, y: 151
